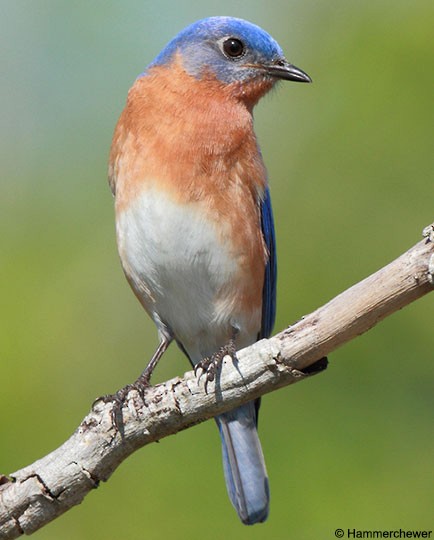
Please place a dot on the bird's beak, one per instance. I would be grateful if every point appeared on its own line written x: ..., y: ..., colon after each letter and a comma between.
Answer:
x: 282, y: 69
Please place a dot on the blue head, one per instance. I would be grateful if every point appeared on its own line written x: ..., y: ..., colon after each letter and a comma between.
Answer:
x: 232, y: 50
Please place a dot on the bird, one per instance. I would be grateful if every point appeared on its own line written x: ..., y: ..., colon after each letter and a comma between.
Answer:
x: 194, y: 222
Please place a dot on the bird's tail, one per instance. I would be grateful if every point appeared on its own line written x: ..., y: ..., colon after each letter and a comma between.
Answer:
x: 243, y: 462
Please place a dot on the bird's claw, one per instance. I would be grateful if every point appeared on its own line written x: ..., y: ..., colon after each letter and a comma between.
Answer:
x: 210, y: 365
x: 118, y: 400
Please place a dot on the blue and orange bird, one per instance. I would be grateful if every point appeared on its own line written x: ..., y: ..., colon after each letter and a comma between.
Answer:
x: 194, y: 223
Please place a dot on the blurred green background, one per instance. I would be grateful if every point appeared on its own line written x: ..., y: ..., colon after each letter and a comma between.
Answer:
x: 350, y: 160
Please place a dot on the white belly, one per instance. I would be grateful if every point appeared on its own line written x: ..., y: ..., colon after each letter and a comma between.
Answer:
x: 179, y: 268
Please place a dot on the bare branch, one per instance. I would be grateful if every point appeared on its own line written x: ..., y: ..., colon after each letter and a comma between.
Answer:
x: 35, y: 495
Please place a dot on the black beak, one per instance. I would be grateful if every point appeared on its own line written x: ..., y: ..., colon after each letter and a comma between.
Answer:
x: 286, y: 71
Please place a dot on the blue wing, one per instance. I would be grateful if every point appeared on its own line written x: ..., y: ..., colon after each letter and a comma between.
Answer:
x: 269, y: 290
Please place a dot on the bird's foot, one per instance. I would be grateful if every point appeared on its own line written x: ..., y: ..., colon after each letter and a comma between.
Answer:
x: 140, y: 385
x: 118, y: 400
x: 210, y: 365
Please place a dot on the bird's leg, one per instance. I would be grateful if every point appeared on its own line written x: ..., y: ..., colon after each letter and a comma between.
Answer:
x: 144, y: 379
x: 139, y: 384
x: 211, y: 364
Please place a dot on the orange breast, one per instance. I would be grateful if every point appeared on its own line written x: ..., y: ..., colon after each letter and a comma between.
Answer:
x: 194, y: 140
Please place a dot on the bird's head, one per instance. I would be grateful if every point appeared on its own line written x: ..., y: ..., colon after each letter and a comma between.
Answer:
x: 231, y: 50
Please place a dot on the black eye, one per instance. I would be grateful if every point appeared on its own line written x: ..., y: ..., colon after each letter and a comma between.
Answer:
x: 233, y: 47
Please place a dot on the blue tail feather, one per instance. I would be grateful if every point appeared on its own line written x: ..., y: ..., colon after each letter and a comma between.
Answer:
x: 243, y: 462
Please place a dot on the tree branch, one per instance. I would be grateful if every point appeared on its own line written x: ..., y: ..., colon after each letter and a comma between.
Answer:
x: 35, y: 495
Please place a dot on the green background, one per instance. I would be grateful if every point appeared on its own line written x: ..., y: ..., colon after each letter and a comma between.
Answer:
x: 350, y: 161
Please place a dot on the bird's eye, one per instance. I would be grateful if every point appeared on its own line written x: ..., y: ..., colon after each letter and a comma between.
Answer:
x: 233, y: 48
